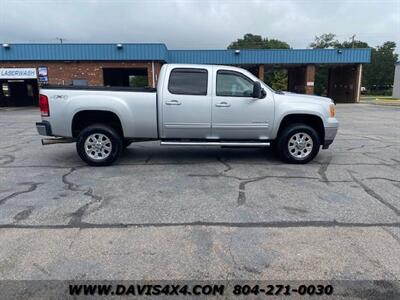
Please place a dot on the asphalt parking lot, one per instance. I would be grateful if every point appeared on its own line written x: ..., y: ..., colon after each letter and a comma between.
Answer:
x: 209, y: 213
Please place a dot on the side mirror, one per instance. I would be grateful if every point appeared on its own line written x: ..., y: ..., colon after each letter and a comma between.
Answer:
x: 258, y: 91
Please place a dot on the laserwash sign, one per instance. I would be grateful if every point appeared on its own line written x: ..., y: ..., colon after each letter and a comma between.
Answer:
x: 18, y: 73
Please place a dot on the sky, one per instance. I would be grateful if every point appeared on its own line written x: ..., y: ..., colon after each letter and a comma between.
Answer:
x: 197, y: 24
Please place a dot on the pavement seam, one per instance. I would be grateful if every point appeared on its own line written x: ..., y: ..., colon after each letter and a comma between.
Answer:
x: 274, y: 224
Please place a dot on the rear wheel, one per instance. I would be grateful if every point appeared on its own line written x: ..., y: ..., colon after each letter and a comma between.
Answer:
x: 298, y: 144
x: 99, y: 145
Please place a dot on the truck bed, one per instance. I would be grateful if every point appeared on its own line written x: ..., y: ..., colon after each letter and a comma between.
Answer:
x: 136, y: 108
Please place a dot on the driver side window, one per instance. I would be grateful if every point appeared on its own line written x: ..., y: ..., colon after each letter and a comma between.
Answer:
x: 233, y: 84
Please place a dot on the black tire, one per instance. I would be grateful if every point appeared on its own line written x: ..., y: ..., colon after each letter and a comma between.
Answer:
x: 282, y: 144
x: 112, y: 135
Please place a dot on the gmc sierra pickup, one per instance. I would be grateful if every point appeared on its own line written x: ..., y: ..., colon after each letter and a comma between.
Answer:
x: 193, y: 105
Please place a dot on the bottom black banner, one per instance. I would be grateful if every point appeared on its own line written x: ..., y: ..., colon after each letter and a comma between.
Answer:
x: 180, y: 289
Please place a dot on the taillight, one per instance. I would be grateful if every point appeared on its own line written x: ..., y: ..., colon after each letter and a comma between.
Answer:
x: 44, y: 105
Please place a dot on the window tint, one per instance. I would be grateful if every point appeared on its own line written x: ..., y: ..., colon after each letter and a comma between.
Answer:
x: 184, y: 81
x: 233, y: 84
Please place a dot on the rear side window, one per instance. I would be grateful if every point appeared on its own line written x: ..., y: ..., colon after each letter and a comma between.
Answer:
x: 185, y: 81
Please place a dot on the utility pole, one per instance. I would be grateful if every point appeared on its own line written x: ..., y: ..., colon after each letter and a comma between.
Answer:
x: 352, y: 40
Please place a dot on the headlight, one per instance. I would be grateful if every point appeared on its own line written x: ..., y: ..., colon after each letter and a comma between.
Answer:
x: 332, y: 110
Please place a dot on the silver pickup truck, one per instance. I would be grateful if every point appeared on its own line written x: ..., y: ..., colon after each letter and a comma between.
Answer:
x: 193, y: 105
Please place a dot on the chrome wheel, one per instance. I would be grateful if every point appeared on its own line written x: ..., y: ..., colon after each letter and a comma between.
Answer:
x: 300, y: 145
x: 98, y: 146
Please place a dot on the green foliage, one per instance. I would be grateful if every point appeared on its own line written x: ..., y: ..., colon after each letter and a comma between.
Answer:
x: 326, y: 40
x: 380, y: 73
x: 138, y: 81
x: 385, y: 92
x: 321, y: 81
x: 277, y: 79
x: 377, y: 75
x: 253, y: 41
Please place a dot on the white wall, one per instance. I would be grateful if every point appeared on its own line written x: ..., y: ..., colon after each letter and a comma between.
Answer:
x: 396, y: 83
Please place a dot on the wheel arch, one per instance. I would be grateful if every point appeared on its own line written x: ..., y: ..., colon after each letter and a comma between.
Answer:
x: 84, y: 118
x: 312, y: 120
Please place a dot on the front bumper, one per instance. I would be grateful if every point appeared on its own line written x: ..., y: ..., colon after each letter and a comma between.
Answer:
x: 44, y: 128
x: 330, y: 133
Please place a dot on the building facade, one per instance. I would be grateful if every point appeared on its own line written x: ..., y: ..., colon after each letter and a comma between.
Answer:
x: 24, y: 67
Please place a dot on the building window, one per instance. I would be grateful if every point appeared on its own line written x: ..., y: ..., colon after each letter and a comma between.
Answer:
x: 6, y: 90
x: 133, y: 77
x: 185, y: 81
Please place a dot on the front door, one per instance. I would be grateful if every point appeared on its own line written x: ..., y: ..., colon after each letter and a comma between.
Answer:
x: 187, y: 104
x: 236, y: 115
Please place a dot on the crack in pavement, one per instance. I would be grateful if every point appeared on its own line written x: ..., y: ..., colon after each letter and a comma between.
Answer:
x: 6, y: 159
x: 32, y: 186
x: 241, y: 199
x: 383, y: 178
x: 373, y: 194
x: 41, y: 269
x: 392, y: 234
x: 70, y: 185
x: 371, y: 155
x: 225, y: 163
x: 77, y: 215
x: 356, y: 147
x: 273, y: 224
x: 23, y: 215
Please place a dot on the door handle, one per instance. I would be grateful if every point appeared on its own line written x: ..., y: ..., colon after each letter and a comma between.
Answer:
x: 222, y: 104
x: 173, y: 102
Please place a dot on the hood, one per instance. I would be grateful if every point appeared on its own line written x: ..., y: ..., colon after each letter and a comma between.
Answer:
x: 304, y: 98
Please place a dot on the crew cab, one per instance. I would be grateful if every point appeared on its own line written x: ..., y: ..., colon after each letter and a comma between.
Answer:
x: 193, y: 105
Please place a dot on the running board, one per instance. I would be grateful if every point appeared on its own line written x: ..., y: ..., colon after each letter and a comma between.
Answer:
x: 233, y: 144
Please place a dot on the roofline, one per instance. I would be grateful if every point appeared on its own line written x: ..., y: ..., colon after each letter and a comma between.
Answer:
x: 160, y: 52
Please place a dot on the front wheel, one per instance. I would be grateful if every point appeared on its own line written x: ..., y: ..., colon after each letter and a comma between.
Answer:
x: 298, y: 144
x: 99, y: 145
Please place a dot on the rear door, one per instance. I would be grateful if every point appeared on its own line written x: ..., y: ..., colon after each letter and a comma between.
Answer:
x: 236, y: 115
x: 186, y: 103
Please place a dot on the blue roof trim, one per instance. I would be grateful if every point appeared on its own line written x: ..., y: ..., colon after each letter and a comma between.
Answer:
x: 56, y: 52
x: 143, y: 52
x: 271, y: 56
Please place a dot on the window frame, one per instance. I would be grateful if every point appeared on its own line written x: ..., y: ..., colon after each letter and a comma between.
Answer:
x: 194, y: 70
x: 232, y: 73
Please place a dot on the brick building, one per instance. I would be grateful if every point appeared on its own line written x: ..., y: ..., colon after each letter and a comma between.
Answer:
x: 23, y: 67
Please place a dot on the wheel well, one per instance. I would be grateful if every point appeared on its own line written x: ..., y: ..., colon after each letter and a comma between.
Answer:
x: 86, y: 118
x: 310, y: 120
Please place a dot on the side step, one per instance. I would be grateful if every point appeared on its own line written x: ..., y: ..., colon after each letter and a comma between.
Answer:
x: 52, y: 141
x: 228, y: 144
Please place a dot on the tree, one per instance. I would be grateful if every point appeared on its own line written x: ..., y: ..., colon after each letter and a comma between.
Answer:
x: 352, y: 44
x: 326, y: 40
x: 275, y: 78
x: 377, y: 75
x: 253, y: 41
